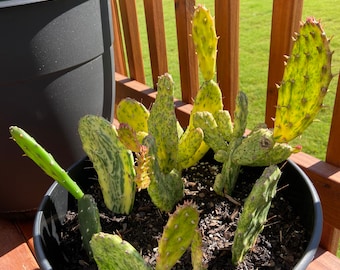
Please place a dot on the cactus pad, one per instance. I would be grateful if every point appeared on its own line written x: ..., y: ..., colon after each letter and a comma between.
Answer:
x: 133, y: 113
x: 305, y: 82
x: 177, y: 235
x: 163, y: 124
x: 44, y: 160
x: 255, y: 212
x: 113, y: 163
x: 111, y: 252
x: 205, y: 40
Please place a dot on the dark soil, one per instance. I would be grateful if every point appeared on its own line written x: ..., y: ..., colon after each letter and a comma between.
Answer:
x: 279, y: 246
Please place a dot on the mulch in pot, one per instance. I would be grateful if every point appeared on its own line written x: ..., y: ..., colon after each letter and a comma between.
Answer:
x: 279, y: 246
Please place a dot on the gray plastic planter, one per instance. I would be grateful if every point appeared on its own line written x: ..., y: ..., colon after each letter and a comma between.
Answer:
x: 56, y: 65
x: 50, y: 216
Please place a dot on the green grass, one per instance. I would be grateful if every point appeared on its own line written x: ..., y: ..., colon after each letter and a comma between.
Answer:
x: 255, y: 20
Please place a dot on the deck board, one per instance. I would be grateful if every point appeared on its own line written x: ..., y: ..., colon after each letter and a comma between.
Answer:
x: 15, y: 254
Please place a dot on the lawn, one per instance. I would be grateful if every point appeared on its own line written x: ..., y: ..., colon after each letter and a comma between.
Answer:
x: 255, y: 19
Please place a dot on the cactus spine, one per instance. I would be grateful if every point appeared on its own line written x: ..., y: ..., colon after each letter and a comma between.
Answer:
x: 112, y: 161
x: 88, y: 213
x: 177, y: 235
x: 305, y: 82
x: 111, y: 252
x: 255, y: 212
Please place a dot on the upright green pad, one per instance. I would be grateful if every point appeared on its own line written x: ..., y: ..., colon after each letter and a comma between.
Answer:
x: 113, y: 163
x: 133, y: 113
x: 305, y: 82
x: 205, y: 40
x: 165, y: 189
x: 162, y: 124
x: 177, y: 235
x: 89, y: 220
x: 255, y: 212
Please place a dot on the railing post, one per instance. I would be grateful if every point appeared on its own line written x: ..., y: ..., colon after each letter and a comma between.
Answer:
x: 186, y: 50
x: 128, y: 14
x: 154, y: 17
x: 227, y: 28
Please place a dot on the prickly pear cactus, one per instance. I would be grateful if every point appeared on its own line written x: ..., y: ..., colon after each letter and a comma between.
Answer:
x: 196, y: 252
x: 165, y: 190
x: 212, y: 135
x: 44, y: 160
x: 111, y: 252
x: 133, y: 113
x: 112, y: 161
x: 305, y: 82
x: 226, y: 180
x: 260, y: 149
x: 130, y: 138
x: 205, y: 40
x: 162, y: 124
x: 177, y: 235
x: 188, y: 146
x: 89, y: 221
x: 209, y: 98
x: 87, y: 208
x: 254, y: 213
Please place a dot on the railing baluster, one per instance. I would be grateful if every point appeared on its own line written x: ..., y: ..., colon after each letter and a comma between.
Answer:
x: 186, y: 50
x: 132, y: 39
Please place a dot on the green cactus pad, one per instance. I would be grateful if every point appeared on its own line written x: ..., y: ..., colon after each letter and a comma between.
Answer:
x: 177, y: 235
x: 224, y: 124
x: 44, y: 160
x: 113, y: 162
x: 226, y: 180
x: 212, y: 137
x: 188, y: 146
x: 260, y: 149
x: 196, y: 252
x: 209, y: 98
x: 133, y: 113
x: 205, y: 40
x: 255, y: 212
x: 111, y: 252
x: 305, y: 82
x: 240, y: 115
x: 89, y: 221
x: 163, y: 124
x: 130, y: 138
x: 165, y: 190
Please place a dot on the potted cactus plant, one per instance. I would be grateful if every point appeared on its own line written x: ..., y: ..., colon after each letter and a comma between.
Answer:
x: 164, y: 152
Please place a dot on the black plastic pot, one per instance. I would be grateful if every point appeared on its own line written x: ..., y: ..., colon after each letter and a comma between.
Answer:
x: 49, y: 219
x: 56, y: 65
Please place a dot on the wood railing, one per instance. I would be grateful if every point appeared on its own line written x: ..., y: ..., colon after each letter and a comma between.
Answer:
x: 130, y: 78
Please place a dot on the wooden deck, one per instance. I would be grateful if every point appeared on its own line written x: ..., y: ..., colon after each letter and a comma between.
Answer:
x: 17, y: 251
